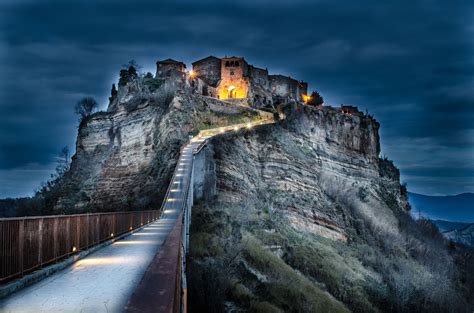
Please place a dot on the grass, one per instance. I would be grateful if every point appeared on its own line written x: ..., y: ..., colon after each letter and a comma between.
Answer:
x: 287, y: 288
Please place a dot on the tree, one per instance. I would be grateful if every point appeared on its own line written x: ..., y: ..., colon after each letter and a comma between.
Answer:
x: 315, y: 99
x: 132, y: 63
x: 127, y: 75
x: 64, y: 162
x: 113, y: 93
x: 85, y: 107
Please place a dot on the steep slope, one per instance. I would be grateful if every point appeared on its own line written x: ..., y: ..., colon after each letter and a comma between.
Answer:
x: 307, y: 218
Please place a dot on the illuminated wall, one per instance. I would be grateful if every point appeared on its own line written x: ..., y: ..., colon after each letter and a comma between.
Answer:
x: 234, y: 79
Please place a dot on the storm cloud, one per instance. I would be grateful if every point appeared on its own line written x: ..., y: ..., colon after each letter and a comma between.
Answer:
x: 408, y: 63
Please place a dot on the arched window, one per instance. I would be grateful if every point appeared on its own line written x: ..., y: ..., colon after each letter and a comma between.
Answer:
x: 227, y: 64
x: 236, y: 63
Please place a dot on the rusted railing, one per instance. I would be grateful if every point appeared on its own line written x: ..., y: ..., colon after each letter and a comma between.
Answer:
x: 29, y: 243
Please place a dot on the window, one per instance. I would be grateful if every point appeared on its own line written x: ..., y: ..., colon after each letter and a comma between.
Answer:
x: 227, y: 64
x: 236, y: 63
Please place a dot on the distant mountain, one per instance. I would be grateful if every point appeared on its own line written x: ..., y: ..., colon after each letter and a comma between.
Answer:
x: 446, y: 226
x: 458, y: 208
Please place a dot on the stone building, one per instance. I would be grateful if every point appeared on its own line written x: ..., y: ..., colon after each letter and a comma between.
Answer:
x: 170, y: 67
x: 209, y: 70
x: 234, y: 83
x: 233, y: 78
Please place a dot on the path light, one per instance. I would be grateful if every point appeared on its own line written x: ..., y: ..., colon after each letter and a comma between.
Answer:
x: 111, y: 234
x: 130, y: 228
x: 74, y: 249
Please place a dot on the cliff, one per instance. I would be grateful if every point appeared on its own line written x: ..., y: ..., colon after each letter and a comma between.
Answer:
x: 125, y: 156
x: 305, y: 217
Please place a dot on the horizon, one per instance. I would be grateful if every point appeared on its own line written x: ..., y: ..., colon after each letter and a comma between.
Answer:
x: 404, y: 75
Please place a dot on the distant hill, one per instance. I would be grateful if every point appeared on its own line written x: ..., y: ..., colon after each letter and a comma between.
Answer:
x: 458, y: 208
x: 446, y: 226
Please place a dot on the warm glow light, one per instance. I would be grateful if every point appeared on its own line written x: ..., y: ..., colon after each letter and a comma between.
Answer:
x: 146, y: 234
x: 106, y: 261
x: 306, y: 98
x: 249, y: 125
x: 222, y: 130
x: 136, y: 242
x: 192, y: 73
x: 175, y: 190
x: 172, y: 200
x: 74, y: 249
x: 236, y: 128
x: 111, y: 234
x: 130, y: 228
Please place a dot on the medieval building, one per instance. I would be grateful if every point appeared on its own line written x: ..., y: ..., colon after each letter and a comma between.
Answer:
x: 169, y: 68
x: 233, y: 79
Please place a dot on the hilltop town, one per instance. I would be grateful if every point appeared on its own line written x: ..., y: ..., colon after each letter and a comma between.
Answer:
x: 233, y: 79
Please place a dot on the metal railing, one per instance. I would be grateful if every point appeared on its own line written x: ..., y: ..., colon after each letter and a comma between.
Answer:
x: 29, y: 243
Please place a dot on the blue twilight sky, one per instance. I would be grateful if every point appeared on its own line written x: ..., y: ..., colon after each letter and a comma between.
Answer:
x: 409, y: 63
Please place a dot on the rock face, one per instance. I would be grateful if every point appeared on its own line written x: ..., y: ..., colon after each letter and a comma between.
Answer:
x: 125, y: 156
x: 307, y: 218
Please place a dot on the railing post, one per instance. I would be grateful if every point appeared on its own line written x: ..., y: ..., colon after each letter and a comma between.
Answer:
x: 88, y: 231
x: 55, y: 237
x: 68, y: 234
x: 40, y: 242
x: 78, y: 233
x: 21, y: 244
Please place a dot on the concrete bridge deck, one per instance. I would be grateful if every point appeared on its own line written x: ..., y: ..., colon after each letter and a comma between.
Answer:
x: 105, y: 280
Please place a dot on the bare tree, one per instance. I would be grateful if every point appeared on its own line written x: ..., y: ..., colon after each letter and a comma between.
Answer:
x: 64, y: 162
x: 85, y: 107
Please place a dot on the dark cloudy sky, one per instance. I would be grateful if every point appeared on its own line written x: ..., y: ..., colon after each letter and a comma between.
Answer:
x: 409, y: 63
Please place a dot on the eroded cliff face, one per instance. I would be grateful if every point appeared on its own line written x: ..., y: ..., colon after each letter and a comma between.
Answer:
x: 125, y: 156
x: 309, y: 163
x: 307, y: 218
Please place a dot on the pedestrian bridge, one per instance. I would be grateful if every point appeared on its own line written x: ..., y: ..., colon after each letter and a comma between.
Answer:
x: 105, y: 262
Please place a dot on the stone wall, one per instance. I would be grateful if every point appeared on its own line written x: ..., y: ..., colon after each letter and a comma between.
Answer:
x: 209, y: 70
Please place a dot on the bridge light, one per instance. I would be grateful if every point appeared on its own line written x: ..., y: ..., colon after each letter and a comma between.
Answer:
x: 74, y: 249
x: 130, y: 228
x: 111, y: 234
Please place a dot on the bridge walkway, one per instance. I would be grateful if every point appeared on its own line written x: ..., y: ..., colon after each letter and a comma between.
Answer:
x: 105, y: 280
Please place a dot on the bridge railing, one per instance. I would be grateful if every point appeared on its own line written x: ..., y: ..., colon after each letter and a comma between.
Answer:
x: 29, y: 243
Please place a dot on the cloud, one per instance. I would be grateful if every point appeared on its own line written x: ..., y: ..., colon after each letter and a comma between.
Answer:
x: 408, y: 64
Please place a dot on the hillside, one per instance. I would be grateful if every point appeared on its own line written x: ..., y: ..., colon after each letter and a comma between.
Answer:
x: 307, y: 218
